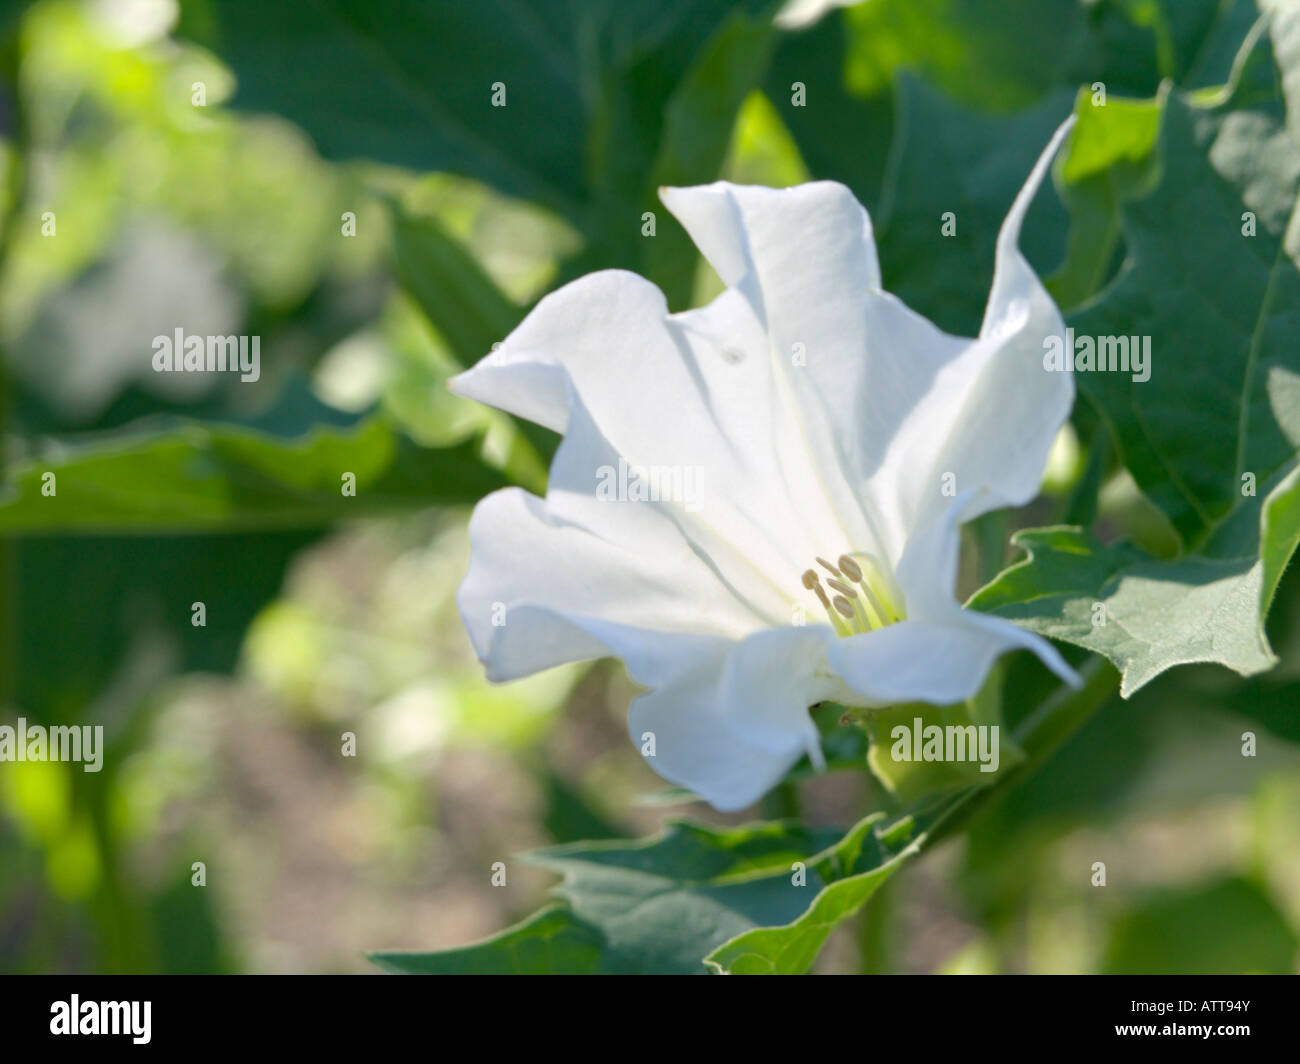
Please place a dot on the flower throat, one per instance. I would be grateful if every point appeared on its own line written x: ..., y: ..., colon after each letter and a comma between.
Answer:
x: 858, y: 601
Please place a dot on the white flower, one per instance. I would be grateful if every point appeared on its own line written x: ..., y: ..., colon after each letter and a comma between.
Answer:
x: 842, y: 440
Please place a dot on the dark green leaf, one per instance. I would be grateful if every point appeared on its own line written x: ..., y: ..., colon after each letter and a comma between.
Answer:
x: 947, y: 159
x: 552, y: 941
x: 196, y: 477
x: 469, y: 311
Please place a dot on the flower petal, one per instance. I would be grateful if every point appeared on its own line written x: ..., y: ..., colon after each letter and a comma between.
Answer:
x: 942, y: 653
x: 577, y: 576
x: 691, y: 392
x: 939, y: 662
x: 990, y: 410
x: 730, y: 728
x: 804, y: 259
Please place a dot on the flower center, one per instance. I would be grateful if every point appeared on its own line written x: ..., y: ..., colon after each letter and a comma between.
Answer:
x: 859, y: 599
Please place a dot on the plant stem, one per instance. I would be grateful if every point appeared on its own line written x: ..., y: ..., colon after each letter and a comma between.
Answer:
x: 782, y: 802
x: 875, y: 931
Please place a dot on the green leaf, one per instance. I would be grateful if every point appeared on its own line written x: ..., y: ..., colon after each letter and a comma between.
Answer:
x: 551, y: 941
x: 136, y: 592
x: 1211, y: 438
x: 697, y: 130
x: 412, y: 83
x: 996, y: 57
x: 1205, y: 35
x: 852, y: 871
x: 1146, y: 615
x: 843, y: 131
x: 663, y: 904
x: 1108, y: 161
x: 947, y: 159
x: 205, y: 477
x: 1222, y: 309
x: 457, y: 296
x: 660, y: 905
x: 1238, y: 930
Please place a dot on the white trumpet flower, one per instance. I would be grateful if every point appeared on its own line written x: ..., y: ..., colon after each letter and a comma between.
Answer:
x: 836, y: 441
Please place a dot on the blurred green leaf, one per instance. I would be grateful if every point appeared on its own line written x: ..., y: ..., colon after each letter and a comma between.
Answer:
x: 203, y: 477
x: 946, y: 158
x: 842, y: 133
x: 461, y: 301
x: 571, y: 815
x: 412, y: 83
x: 133, y: 599
x: 996, y: 57
x: 1227, y: 926
x: 697, y: 129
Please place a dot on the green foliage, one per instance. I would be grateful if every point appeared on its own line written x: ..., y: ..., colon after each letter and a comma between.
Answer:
x: 553, y: 942
x: 945, y: 159
x: 1211, y: 438
x: 1145, y: 615
x: 766, y: 896
x: 1173, y: 213
x: 203, y: 477
x: 1238, y: 929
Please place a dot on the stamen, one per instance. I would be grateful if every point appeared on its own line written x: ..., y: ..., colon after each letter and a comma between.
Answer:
x: 849, y: 568
x: 811, y: 582
x: 849, y: 612
x: 828, y: 567
x: 854, y: 571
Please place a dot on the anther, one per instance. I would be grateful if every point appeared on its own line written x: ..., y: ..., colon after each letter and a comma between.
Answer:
x: 842, y: 588
x: 842, y: 605
x: 828, y: 567
x: 812, y: 583
x: 849, y: 568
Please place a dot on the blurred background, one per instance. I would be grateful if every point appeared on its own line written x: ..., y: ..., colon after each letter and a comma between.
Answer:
x: 200, y: 163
